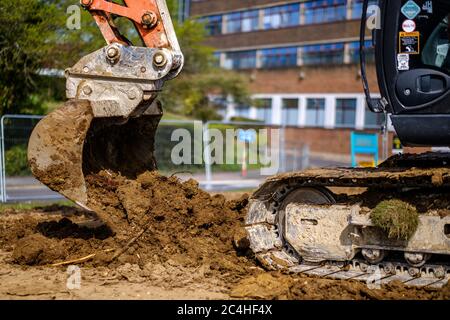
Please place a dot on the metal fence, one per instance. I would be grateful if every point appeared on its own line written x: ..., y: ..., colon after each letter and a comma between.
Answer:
x: 252, y: 152
x: 18, y: 184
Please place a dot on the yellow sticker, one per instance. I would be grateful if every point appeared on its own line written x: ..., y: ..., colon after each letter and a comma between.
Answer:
x: 409, y: 42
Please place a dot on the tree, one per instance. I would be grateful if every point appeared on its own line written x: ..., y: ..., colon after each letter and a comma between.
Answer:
x: 34, y: 36
x: 27, y: 37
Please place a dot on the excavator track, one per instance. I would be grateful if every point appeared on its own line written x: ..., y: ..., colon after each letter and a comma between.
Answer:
x: 297, y: 224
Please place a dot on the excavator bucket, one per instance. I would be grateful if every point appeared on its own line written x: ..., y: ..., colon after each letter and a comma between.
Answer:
x: 70, y: 144
x: 110, y: 119
x: 55, y: 149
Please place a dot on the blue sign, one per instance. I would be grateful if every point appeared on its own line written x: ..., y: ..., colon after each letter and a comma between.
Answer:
x: 411, y: 9
x: 247, y: 135
x: 364, y: 143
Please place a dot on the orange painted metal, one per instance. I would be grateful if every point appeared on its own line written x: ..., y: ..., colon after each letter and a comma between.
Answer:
x: 134, y: 10
x: 109, y: 32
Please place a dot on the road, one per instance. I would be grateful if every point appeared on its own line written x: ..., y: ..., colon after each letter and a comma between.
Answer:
x: 28, y: 189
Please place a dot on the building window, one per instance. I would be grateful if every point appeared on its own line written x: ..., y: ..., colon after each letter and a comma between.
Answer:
x: 282, y: 16
x: 290, y: 112
x: 354, y: 51
x: 243, y: 21
x: 279, y: 57
x: 213, y: 25
x: 373, y: 120
x: 241, y: 60
x: 264, y: 110
x: 315, y: 112
x: 242, y: 111
x: 346, y: 113
x: 323, y: 54
x: 325, y: 11
x: 357, y: 8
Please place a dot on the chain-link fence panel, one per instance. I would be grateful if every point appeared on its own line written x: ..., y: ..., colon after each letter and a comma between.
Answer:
x: 241, y: 155
x: 179, y: 149
x: 18, y: 184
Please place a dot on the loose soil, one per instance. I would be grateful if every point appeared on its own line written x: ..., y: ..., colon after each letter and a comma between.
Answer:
x: 169, y: 240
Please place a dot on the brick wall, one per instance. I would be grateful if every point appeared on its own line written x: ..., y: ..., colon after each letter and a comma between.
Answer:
x: 332, y: 79
x: 328, y: 143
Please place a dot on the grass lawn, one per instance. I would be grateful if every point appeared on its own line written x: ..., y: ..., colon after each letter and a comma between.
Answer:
x: 173, y: 116
x: 33, y: 205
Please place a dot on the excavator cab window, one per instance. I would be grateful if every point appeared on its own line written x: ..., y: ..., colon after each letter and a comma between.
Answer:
x: 413, y: 68
x: 436, y: 49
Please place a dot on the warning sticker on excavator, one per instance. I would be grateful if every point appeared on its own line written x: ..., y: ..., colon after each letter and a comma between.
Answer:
x: 409, y: 26
x: 411, y: 9
x: 403, y: 62
x: 409, y: 42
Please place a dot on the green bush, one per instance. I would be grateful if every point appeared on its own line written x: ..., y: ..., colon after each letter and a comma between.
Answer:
x: 16, y: 163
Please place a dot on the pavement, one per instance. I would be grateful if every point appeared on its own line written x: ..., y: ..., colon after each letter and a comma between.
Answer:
x: 20, y: 189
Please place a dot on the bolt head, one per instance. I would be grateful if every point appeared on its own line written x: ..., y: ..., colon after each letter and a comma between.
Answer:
x: 132, y: 94
x: 389, y: 268
x: 159, y: 59
x: 150, y: 19
x: 112, y: 52
x: 87, y: 90
x: 414, y: 272
x: 86, y: 3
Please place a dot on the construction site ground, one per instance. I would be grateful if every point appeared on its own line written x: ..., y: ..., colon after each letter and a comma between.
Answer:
x: 175, y: 242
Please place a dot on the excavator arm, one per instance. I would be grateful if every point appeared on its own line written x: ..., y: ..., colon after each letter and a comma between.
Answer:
x: 110, y: 118
x: 120, y: 79
x: 146, y: 16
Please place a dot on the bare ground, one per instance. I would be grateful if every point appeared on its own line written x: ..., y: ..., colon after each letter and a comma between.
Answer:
x: 173, y: 241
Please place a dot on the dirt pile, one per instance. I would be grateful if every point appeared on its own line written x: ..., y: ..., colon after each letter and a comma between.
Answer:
x: 179, y: 221
x: 46, y: 236
x: 37, y: 249
x: 156, y: 220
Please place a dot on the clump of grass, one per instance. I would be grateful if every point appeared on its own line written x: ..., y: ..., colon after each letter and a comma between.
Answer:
x: 397, y: 218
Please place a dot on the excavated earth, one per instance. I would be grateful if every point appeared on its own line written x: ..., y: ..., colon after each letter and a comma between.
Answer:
x: 168, y: 240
